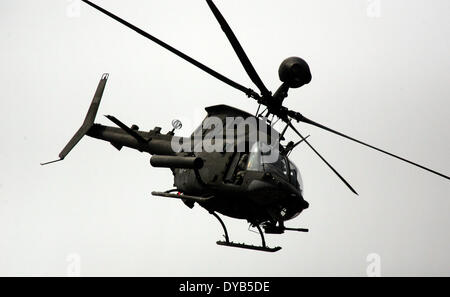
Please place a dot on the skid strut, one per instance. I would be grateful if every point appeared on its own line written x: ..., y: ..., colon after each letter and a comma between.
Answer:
x: 229, y: 243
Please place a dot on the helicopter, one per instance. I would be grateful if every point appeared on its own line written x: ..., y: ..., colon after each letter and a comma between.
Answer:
x: 247, y: 174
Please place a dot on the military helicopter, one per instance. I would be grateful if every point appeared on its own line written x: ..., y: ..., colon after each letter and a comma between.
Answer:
x: 253, y: 183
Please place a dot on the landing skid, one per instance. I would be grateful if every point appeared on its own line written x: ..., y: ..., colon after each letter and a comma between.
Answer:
x: 229, y: 243
x: 249, y: 247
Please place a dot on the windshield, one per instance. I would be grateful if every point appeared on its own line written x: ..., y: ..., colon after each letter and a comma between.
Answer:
x: 295, y: 176
x: 259, y: 161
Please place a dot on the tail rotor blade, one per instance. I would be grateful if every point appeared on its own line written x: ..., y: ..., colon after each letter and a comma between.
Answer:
x: 323, y: 159
x: 239, y: 50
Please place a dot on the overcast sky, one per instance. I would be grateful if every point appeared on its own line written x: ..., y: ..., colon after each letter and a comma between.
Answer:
x: 380, y: 73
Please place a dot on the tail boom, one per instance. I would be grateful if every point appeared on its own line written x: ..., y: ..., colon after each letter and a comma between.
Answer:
x: 152, y: 142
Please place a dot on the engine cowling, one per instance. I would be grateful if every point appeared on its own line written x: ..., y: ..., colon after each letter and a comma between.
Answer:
x: 295, y: 72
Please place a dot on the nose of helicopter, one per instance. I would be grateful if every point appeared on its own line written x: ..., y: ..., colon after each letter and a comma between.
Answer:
x: 272, y: 194
x: 272, y: 190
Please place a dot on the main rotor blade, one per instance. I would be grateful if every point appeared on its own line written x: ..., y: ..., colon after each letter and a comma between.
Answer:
x: 247, y: 91
x: 302, y: 118
x: 239, y: 50
x: 323, y: 159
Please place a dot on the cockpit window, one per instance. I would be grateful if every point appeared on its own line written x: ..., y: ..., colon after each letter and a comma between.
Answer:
x: 295, y: 177
x: 254, y: 159
x: 279, y: 166
x: 258, y: 161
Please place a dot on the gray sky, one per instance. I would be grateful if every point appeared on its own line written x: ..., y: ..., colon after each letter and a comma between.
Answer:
x: 382, y: 76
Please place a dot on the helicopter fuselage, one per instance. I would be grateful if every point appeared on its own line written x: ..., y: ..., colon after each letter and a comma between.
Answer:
x: 241, y: 184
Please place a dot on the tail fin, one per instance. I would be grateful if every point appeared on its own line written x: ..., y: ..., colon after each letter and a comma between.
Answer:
x: 88, y: 121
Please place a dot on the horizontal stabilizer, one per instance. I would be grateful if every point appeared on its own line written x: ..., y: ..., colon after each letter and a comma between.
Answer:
x: 127, y: 129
